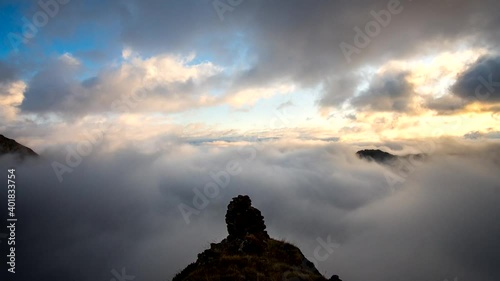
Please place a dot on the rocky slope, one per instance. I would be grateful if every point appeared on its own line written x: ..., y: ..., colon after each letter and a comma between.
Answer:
x: 10, y: 146
x: 248, y: 253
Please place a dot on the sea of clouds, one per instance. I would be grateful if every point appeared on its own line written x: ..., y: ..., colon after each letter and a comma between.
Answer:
x: 121, y: 211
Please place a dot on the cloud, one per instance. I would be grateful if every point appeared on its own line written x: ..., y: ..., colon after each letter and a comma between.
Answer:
x: 448, y: 104
x: 170, y: 84
x: 120, y: 209
x: 296, y: 42
x: 480, y: 82
x: 490, y: 134
x: 11, y: 91
x: 7, y: 72
x: 158, y: 84
x: 251, y: 95
x: 54, y: 87
x: 284, y: 105
x: 386, y: 92
x: 337, y: 90
x: 11, y: 96
x: 444, y: 237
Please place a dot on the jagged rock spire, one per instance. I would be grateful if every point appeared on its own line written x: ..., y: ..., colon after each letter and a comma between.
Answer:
x: 248, y: 253
x: 243, y: 219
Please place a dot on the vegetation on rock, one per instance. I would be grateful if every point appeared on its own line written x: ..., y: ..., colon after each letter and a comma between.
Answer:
x: 248, y: 253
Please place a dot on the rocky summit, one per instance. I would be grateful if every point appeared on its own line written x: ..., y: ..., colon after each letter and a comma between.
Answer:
x: 242, y: 219
x: 248, y: 253
x: 10, y: 146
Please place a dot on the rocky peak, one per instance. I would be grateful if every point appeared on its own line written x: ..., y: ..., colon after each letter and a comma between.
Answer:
x: 242, y: 219
x: 249, y: 254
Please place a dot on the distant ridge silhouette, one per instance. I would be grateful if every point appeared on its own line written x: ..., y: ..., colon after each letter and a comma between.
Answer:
x: 10, y: 146
x: 383, y: 157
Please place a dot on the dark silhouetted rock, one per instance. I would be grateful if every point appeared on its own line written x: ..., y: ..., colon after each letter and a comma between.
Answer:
x: 386, y: 158
x: 10, y: 146
x: 243, y: 219
x: 400, y: 166
x: 248, y: 253
x: 334, y: 278
x: 376, y: 155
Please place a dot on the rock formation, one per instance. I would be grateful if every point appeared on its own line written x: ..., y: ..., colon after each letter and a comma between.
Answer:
x: 248, y: 253
x: 242, y: 219
x: 386, y: 158
x: 10, y: 146
x: 376, y: 155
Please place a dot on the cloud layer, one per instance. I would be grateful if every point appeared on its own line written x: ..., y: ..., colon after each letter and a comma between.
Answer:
x: 263, y: 43
x: 122, y: 210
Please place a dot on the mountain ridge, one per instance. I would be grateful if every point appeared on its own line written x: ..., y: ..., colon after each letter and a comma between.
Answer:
x: 383, y: 157
x: 10, y: 146
x: 248, y: 253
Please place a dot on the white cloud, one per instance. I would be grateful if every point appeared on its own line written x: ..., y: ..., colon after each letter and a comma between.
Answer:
x: 11, y: 96
x: 170, y: 83
x: 69, y: 59
x: 250, y: 96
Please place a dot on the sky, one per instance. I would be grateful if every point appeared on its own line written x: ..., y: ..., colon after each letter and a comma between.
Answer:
x: 357, y: 71
x: 135, y: 104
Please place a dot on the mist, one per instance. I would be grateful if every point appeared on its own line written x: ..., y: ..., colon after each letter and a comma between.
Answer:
x: 121, y: 210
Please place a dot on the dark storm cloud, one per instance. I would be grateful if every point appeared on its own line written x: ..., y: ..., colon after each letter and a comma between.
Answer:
x: 480, y: 82
x: 52, y: 87
x: 387, y: 92
x: 7, y: 72
x: 121, y: 210
x: 287, y: 40
x: 300, y: 40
